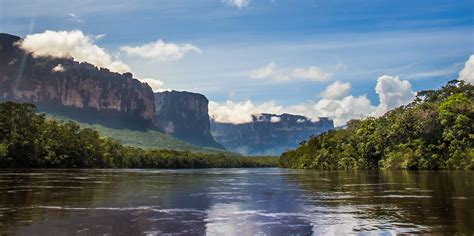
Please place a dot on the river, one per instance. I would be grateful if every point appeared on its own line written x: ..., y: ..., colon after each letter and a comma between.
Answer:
x: 268, y: 201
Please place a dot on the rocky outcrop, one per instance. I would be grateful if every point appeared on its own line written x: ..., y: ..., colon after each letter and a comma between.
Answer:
x: 185, y: 116
x: 80, y: 89
x: 268, y: 134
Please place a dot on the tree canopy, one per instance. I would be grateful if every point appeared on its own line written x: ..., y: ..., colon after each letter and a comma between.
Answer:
x: 29, y: 140
x: 435, y: 131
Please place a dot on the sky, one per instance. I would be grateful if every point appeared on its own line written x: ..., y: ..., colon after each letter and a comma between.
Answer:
x: 341, y: 58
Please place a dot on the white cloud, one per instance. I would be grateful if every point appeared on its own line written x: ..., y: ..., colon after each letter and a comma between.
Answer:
x: 313, y: 73
x: 272, y: 72
x: 238, y: 3
x: 275, y: 119
x: 338, y: 106
x: 342, y: 110
x: 160, y: 50
x: 58, y: 68
x: 336, y: 90
x: 71, y: 44
x: 467, y: 73
x: 75, y: 18
x: 156, y: 85
x: 393, y: 93
x: 264, y: 72
x: 240, y: 112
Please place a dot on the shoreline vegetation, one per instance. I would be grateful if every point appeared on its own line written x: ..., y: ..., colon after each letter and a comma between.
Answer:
x: 29, y: 139
x: 434, y: 132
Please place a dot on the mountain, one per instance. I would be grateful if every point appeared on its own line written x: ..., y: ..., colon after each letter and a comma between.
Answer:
x: 185, y: 116
x: 145, y: 139
x: 69, y: 88
x: 268, y: 134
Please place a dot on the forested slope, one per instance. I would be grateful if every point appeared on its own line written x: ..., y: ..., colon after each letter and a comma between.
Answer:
x: 435, y: 131
x: 30, y: 140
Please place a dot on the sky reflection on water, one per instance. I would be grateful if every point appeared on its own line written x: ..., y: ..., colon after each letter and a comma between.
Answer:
x: 234, y: 202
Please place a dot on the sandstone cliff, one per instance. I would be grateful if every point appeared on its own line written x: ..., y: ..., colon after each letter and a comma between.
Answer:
x: 79, y: 89
x: 185, y: 116
x: 268, y: 134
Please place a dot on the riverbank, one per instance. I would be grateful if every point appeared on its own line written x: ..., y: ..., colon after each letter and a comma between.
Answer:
x: 29, y: 140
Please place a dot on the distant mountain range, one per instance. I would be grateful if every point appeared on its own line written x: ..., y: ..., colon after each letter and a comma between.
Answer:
x: 87, y: 94
x: 268, y: 134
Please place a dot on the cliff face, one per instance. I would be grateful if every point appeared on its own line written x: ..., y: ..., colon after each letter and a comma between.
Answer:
x: 268, y: 134
x: 184, y: 115
x: 72, y: 87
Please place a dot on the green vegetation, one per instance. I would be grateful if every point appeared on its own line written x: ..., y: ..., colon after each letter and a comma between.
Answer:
x: 29, y: 140
x: 435, y: 131
x: 145, y: 139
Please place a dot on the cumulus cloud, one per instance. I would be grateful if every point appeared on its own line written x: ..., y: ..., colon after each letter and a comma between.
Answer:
x: 238, y: 3
x: 160, y: 50
x: 58, y: 68
x: 392, y: 93
x: 272, y: 72
x: 336, y: 90
x: 156, y: 85
x: 338, y: 106
x: 71, y: 44
x: 467, y: 73
x: 240, y: 112
x: 342, y: 110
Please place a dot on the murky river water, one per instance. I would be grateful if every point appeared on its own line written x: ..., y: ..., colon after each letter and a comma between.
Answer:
x: 234, y: 202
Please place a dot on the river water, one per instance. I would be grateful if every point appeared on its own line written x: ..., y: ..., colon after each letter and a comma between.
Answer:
x: 234, y: 202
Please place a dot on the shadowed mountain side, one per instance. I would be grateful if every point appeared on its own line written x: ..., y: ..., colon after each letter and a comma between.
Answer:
x: 143, y: 138
x: 80, y: 91
x: 185, y: 116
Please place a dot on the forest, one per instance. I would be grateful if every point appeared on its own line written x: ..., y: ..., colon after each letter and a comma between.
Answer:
x: 435, y: 131
x: 30, y: 140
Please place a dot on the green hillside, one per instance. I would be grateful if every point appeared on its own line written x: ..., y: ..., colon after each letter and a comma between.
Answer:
x: 436, y: 131
x: 148, y: 139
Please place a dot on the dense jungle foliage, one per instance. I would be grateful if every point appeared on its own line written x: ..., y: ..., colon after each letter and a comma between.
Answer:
x: 29, y: 140
x: 435, y: 131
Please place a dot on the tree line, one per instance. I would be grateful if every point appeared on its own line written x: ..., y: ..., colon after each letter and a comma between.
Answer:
x: 29, y: 140
x: 435, y: 131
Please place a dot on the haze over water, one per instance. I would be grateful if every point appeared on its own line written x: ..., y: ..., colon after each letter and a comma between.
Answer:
x: 234, y: 202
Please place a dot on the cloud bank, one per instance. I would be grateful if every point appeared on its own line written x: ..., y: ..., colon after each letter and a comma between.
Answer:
x: 335, y: 104
x: 71, y: 44
x: 240, y: 112
x: 467, y: 73
x: 160, y: 50
x: 336, y: 90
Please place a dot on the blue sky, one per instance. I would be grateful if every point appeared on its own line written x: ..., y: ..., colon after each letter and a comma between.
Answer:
x: 355, y: 41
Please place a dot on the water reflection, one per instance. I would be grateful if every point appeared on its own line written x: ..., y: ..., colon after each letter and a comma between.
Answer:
x: 234, y: 202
